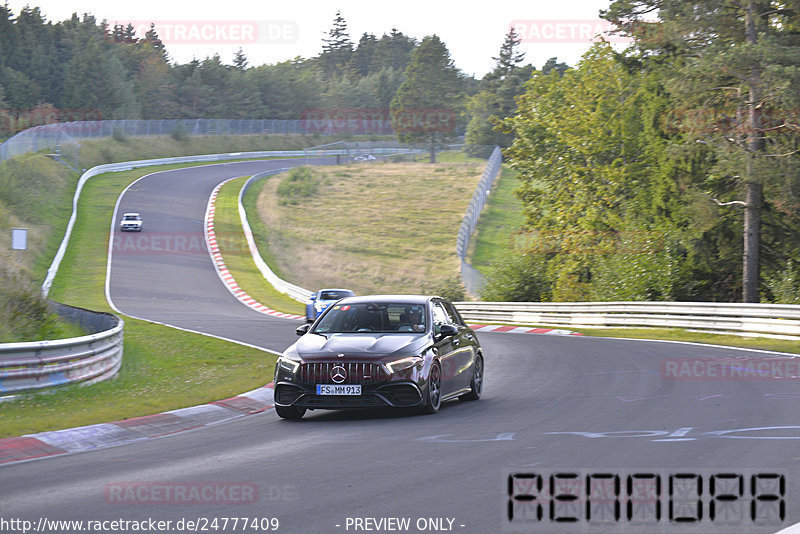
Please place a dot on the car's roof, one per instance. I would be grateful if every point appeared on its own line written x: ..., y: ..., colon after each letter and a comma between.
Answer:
x: 400, y: 299
x: 130, y: 213
x: 335, y: 289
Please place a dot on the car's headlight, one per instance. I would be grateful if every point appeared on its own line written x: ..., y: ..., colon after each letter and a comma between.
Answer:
x: 403, y: 364
x: 290, y: 366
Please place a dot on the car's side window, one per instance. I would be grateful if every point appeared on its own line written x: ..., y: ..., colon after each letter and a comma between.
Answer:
x: 439, y: 315
x: 446, y: 314
x: 455, y: 318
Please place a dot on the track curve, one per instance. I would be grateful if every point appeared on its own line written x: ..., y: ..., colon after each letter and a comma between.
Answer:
x: 165, y: 273
x: 549, y: 402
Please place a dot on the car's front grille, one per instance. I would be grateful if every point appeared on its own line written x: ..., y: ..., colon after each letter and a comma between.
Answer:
x: 356, y: 373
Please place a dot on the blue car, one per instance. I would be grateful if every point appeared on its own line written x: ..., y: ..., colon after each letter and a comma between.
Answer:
x: 323, y: 298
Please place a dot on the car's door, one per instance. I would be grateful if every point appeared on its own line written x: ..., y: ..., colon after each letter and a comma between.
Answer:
x: 455, y: 353
x: 466, y: 345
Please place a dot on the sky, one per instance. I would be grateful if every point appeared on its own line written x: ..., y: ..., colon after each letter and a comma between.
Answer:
x: 270, y: 32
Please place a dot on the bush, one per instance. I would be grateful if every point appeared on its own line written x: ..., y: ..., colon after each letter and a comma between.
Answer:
x: 785, y: 286
x: 638, y: 270
x: 518, y: 278
x: 299, y: 183
x: 119, y: 135
x: 451, y: 289
x: 179, y: 133
x: 25, y: 315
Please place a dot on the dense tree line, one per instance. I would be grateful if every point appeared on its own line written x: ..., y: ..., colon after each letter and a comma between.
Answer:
x: 669, y: 171
x: 82, y: 68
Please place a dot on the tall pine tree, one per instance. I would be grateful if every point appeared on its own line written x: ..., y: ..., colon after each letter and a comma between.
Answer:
x: 733, y: 69
x: 429, y: 100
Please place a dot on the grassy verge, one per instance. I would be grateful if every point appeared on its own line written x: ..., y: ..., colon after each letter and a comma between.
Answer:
x: 163, y: 368
x: 498, y: 225
x: 235, y: 252
x: 375, y: 228
x: 35, y: 194
x: 679, y: 334
x: 676, y: 334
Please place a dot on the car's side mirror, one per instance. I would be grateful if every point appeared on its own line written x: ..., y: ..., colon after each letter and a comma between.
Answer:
x: 313, y: 297
x: 302, y: 329
x: 446, y: 330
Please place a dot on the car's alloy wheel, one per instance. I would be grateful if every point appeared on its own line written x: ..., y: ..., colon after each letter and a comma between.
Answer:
x: 433, y: 395
x: 476, y: 386
x: 290, y: 412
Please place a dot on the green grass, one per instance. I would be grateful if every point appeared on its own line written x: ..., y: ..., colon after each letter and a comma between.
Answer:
x: 236, y: 253
x: 163, y: 368
x: 35, y: 194
x: 384, y: 227
x: 450, y: 156
x: 677, y: 334
x: 497, y: 227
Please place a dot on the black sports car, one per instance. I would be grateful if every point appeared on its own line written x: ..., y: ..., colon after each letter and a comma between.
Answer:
x: 379, y: 351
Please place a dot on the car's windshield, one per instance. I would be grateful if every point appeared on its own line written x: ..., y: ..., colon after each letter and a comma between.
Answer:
x: 334, y: 295
x: 383, y: 317
x: 131, y: 217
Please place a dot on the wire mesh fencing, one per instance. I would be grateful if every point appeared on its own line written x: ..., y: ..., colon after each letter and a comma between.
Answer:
x: 472, y: 279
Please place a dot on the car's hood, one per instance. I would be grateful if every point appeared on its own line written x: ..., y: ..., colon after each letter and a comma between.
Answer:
x: 361, y: 346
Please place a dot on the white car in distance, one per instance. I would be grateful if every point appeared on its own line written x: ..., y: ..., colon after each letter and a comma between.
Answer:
x: 131, y: 222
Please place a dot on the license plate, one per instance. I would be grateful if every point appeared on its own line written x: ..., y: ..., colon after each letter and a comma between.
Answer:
x: 341, y: 389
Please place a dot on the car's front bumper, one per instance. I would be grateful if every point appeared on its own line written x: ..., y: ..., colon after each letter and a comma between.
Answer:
x: 389, y: 394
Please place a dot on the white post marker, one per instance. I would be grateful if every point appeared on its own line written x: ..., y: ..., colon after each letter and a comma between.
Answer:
x: 19, y: 241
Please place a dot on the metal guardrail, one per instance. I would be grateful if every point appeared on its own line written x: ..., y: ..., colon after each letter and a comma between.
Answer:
x: 296, y: 292
x: 36, y: 365
x: 769, y: 319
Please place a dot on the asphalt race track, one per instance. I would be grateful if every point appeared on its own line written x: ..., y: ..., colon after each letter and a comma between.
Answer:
x: 165, y: 273
x: 550, y: 402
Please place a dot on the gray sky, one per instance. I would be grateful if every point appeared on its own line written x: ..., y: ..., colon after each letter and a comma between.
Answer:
x: 270, y: 32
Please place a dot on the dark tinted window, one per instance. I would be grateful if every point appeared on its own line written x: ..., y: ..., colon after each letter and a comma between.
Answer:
x: 381, y: 317
x: 335, y: 295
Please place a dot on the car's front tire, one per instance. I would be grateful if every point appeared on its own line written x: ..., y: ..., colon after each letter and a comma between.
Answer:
x: 433, y: 392
x: 290, y: 412
x: 476, y: 385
